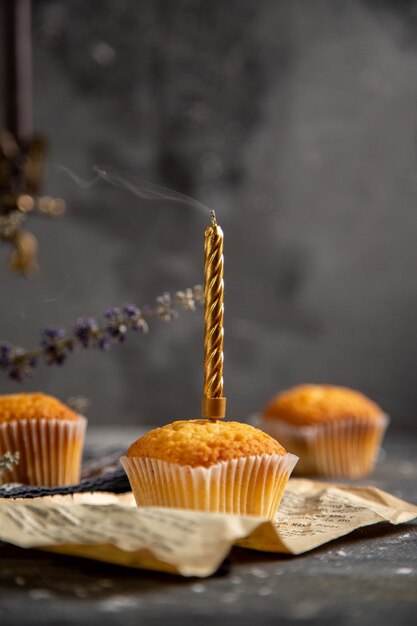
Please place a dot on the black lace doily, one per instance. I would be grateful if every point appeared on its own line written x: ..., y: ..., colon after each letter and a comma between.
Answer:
x: 98, y: 474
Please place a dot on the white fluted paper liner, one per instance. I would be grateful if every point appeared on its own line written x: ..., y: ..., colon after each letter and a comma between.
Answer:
x: 347, y: 448
x: 247, y: 486
x: 50, y: 450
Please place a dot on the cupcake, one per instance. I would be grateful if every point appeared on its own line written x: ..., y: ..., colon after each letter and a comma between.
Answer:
x: 223, y: 467
x: 334, y: 430
x: 48, y: 436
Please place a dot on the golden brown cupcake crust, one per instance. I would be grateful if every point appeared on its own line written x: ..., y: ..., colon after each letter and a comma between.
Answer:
x: 25, y: 406
x: 204, y: 443
x: 313, y: 404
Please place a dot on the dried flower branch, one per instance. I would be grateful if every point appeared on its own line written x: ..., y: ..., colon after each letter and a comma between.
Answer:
x: 56, y: 344
x: 7, y: 461
x: 20, y: 178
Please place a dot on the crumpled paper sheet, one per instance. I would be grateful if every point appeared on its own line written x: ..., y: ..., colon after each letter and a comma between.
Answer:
x: 111, y: 528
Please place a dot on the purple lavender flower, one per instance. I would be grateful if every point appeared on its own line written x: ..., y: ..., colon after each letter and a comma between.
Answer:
x: 53, y: 346
x: 116, y: 325
x: 19, y: 373
x: 104, y: 342
x: 135, y: 318
x: 33, y: 361
x: 131, y: 311
x: 111, y: 313
x: 86, y: 331
x: 23, y: 368
x: 54, y: 356
x: 51, y: 334
x: 6, y: 354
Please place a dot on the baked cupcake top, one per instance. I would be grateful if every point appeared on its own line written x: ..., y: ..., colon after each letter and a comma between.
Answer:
x: 25, y: 406
x: 305, y: 405
x: 203, y: 443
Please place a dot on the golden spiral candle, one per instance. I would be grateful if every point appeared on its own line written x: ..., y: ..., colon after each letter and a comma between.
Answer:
x: 214, y: 404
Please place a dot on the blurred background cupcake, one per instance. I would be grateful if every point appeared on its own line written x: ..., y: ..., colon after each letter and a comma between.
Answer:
x: 224, y: 467
x: 48, y: 436
x: 334, y: 430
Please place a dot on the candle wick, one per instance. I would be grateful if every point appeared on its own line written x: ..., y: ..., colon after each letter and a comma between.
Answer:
x: 213, y: 217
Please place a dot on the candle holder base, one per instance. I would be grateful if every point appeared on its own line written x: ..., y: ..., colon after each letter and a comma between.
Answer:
x: 214, y: 408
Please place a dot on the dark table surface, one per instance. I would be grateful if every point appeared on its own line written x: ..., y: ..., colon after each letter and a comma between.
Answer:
x: 368, y: 577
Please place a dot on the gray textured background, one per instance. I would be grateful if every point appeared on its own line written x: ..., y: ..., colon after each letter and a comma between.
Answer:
x: 297, y: 122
